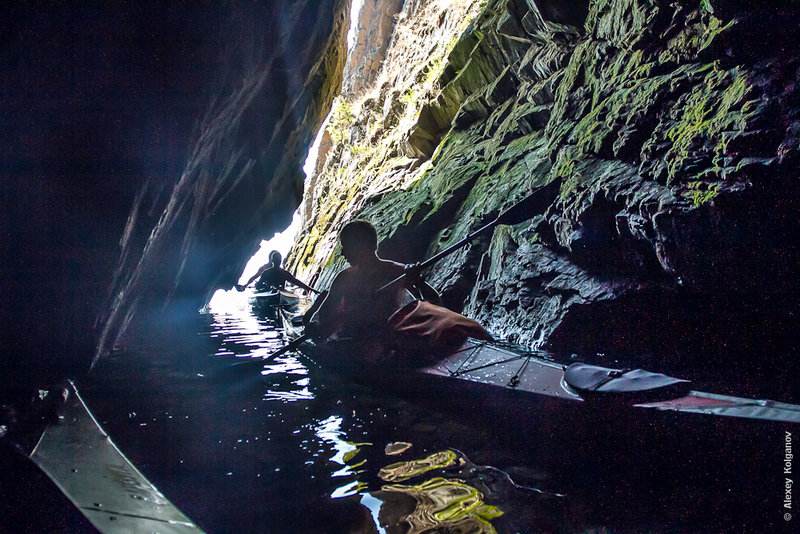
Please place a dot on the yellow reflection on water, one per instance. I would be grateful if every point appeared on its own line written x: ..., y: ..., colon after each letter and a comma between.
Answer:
x: 400, y: 471
x: 436, y: 505
x: 446, y: 505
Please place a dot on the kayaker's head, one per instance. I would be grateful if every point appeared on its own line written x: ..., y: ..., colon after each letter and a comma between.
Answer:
x: 275, y: 258
x: 359, y: 241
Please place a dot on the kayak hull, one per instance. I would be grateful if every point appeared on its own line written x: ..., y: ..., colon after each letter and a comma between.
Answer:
x: 80, y: 459
x: 581, y: 441
x: 482, y: 372
x: 268, y: 303
x: 717, y: 451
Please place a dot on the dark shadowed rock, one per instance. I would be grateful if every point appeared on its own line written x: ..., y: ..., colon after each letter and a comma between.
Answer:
x: 244, y: 178
x: 95, y: 102
x: 146, y: 151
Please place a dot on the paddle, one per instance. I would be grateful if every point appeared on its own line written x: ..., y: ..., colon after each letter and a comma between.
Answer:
x: 515, y: 214
x: 521, y: 211
x: 241, y: 288
x: 290, y: 347
x: 293, y: 344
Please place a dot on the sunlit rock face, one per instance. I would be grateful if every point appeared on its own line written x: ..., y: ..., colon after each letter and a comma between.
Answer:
x: 369, y: 125
x: 660, y: 140
x: 373, y: 32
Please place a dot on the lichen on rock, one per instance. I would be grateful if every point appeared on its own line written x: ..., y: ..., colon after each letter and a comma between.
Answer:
x: 661, y: 139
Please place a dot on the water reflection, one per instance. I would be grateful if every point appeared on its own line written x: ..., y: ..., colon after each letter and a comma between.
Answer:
x: 287, y: 448
x: 439, y: 503
x: 442, y: 503
x: 330, y: 432
x: 401, y: 471
x: 243, y: 333
x: 374, y: 506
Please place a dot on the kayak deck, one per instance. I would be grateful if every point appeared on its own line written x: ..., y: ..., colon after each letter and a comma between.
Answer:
x: 514, y: 371
x: 80, y: 458
x: 495, y: 366
x: 279, y: 297
x: 485, y: 363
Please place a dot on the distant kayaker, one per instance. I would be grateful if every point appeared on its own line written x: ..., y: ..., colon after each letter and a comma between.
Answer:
x: 354, y: 306
x: 272, y: 276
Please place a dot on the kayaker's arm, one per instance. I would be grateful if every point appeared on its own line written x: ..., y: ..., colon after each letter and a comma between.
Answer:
x: 294, y: 281
x: 424, y: 291
x: 259, y: 273
x: 419, y: 287
x: 324, y: 321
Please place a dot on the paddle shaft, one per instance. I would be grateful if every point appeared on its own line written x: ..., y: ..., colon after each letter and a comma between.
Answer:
x: 291, y: 346
x: 452, y: 248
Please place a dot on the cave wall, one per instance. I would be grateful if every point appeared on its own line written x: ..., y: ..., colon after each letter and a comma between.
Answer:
x: 374, y: 29
x: 243, y: 178
x: 146, y: 151
x: 660, y: 140
x: 93, y: 103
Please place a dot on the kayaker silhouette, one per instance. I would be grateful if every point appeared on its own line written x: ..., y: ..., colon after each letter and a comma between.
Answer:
x: 353, y: 306
x: 273, y: 276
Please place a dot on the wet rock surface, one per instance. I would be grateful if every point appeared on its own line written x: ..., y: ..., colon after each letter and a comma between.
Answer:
x: 661, y: 138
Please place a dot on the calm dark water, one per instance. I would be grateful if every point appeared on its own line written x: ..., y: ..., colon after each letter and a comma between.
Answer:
x: 285, y: 448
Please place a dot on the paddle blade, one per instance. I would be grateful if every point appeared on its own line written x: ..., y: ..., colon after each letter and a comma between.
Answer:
x: 288, y: 348
x: 250, y: 362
